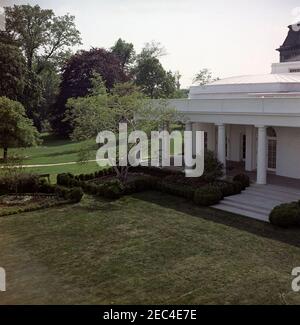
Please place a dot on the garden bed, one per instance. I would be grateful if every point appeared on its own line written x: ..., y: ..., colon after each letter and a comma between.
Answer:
x: 18, y: 203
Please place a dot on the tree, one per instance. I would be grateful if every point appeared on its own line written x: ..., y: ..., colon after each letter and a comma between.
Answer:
x: 150, y: 75
x: 16, y: 129
x: 103, y: 111
x: 42, y: 35
x: 12, y: 71
x: 204, y: 77
x: 46, y: 40
x: 125, y: 52
x: 152, y: 78
x: 76, y: 80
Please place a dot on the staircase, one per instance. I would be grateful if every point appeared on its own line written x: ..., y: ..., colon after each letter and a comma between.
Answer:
x: 257, y: 201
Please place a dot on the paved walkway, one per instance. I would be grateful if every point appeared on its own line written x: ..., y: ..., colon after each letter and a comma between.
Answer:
x: 257, y: 201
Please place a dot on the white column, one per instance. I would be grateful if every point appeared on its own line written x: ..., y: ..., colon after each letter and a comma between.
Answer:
x: 262, y: 155
x: 222, y: 144
x: 188, y: 146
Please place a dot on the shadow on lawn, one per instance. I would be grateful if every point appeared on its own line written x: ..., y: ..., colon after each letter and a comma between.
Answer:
x: 288, y: 236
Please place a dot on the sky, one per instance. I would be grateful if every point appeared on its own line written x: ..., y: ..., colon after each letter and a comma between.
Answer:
x: 232, y: 37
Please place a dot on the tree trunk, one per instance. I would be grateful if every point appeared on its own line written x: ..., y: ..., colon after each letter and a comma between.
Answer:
x: 5, y: 154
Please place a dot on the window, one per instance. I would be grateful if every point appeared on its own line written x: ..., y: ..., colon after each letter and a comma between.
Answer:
x: 244, y: 147
x: 294, y: 70
x: 272, y: 148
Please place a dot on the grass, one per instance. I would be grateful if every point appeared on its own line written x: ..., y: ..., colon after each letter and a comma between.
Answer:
x: 54, y: 150
x: 148, y: 248
x: 57, y: 151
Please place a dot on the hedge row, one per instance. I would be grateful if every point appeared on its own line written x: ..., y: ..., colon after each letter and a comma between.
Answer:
x: 205, y: 195
x: 28, y: 183
x: 31, y: 207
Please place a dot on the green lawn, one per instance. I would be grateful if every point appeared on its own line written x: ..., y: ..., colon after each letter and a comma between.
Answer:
x: 57, y: 151
x: 54, y: 150
x: 148, y: 248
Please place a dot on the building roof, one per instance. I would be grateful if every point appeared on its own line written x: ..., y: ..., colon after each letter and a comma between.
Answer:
x: 249, y: 85
x: 260, y: 79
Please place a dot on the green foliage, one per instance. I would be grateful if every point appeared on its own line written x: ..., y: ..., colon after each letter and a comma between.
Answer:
x: 46, y: 42
x: 79, y: 80
x: 152, y: 78
x: 286, y: 215
x: 22, y: 183
x: 75, y: 195
x: 124, y: 51
x: 243, y: 179
x: 228, y: 188
x: 102, y: 111
x: 16, y: 129
x: 213, y: 169
x: 185, y: 191
x: 12, y: 71
x: 42, y: 35
x: 208, y: 195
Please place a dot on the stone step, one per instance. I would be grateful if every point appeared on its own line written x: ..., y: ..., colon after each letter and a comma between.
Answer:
x: 249, y: 200
x: 271, y: 194
x: 243, y: 212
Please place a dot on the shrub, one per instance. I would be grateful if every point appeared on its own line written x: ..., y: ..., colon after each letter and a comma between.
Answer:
x: 286, y: 215
x: 213, y: 169
x: 229, y: 188
x: 243, y: 179
x: 62, y: 192
x: 111, y: 190
x: 208, y: 195
x: 177, y: 189
x: 45, y: 187
x: 155, y: 171
x: 75, y: 195
x: 21, y: 183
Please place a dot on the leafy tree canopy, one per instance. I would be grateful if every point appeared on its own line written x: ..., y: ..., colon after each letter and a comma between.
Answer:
x: 12, y: 71
x: 103, y: 111
x: 16, y: 129
x: 42, y: 35
x: 124, y: 51
x: 76, y: 80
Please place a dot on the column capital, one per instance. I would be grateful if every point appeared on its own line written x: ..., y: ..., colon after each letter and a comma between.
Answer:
x: 260, y: 126
x: 220, y: 124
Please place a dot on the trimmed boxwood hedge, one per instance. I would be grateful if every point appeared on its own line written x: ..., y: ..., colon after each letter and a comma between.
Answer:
x: 243, y: 179
x: 286, y: 215
x: 208, y: 195
x: 114, y: 189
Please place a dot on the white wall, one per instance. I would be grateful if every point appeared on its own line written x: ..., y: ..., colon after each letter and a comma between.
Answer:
x: 288, y: 152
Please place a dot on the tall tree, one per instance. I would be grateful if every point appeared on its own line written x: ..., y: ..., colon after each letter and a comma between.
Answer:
x: 12, y: 71
x: 42, y: 35
x: 103, y: 111
x: 76, y: 80
x: 45, y: 39
x: 16, y: 129
x: 151, y: 76
x: 125, y: 52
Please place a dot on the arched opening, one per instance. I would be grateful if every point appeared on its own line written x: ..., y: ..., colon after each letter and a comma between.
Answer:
x: 272, y: 148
